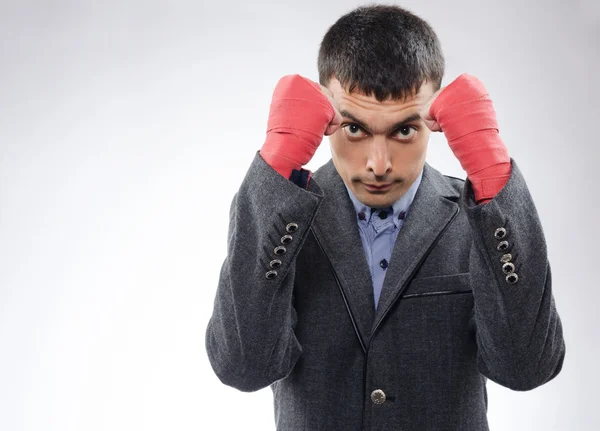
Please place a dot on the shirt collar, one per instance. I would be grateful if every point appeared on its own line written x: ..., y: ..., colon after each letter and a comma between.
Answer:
x: 402, y: 205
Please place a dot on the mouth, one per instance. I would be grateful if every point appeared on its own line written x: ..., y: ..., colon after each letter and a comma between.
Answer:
x: 377, y: 187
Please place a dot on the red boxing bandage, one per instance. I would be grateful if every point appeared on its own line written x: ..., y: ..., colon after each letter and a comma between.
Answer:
x: 466, y: 115
x: 299, y: 116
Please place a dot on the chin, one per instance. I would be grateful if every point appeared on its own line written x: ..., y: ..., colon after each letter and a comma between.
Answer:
x: 380, y: 201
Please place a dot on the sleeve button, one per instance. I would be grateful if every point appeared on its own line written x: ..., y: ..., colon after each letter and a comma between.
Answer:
x: 279, y: 250
x: 271, y: 275
x: 512, y: 278
x: 502, y: 245
x: 291, y: 227
x: 286, y: 239
x: 506, y: 258
x: 275, y: 263
x: 500, y: 233
x: 508, y: 268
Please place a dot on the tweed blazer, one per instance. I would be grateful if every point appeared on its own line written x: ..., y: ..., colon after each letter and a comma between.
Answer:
x: 467, y: 297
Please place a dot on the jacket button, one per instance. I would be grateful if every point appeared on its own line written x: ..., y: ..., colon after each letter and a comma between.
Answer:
x: 286, y: 239
x: 506, y: 258
x: 378, y: 396
x: 275, y: 263
x: 291, y: 227
x: 271, y: 275
x: 500, y: 233
x: 512, y: 278
x: 502, y: 245
x: 279, y: 250
x: 508, y: 268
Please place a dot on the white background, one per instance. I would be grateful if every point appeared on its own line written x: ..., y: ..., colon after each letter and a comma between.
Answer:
x: 125, y: 130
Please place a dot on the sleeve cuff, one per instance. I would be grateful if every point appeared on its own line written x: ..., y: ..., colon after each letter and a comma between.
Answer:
x: 301, y: 177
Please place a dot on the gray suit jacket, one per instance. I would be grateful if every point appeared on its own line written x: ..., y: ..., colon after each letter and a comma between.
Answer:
x: 304, y: 321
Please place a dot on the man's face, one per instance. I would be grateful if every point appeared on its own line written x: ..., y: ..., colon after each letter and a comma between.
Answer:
x: 379, y: 144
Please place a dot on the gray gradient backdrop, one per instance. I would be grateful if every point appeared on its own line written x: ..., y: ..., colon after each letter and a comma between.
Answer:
x: 125, y: 130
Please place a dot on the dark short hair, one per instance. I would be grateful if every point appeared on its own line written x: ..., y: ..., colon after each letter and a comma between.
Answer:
x: 381, y: 50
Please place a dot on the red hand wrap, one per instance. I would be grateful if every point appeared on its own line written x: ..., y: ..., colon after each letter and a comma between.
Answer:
x: 298, y: 118
x: 466, y: 115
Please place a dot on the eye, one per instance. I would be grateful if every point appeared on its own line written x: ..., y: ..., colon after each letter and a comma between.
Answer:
x: 405, y: 133
x: 353, y: 131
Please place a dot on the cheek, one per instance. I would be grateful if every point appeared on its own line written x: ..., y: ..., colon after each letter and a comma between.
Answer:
x: 347, y: 157
x: 415, y: 150
x: 336, y: 141
x: 341, y: 148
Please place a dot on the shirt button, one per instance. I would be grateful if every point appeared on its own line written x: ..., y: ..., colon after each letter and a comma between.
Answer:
x: 383, y: 263
x: 383, y: 215
x: 361, y: 216
x: 402, y: 215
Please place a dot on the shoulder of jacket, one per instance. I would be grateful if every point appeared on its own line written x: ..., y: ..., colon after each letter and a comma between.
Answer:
x: 458, y: 184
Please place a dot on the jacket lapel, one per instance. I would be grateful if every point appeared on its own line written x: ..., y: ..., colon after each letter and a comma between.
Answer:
x: 336, y: 230
x: 433, y: 208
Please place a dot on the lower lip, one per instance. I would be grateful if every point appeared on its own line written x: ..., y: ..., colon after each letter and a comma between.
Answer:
x: 377, y: 189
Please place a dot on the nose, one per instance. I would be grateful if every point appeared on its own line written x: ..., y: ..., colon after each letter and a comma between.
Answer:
x: 379, y: 161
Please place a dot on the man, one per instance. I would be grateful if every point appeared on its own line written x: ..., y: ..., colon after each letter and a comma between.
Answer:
x: 379, y: 294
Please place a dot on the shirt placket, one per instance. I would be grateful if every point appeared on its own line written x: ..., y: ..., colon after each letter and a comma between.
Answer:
x: 381, y: 249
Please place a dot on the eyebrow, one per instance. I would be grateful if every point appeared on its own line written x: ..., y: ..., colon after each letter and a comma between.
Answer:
x: 414, y: 117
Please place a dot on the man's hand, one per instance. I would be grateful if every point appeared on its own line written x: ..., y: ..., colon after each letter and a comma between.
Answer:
x: 302, y: 111
x: 465, y: 113
x: 337, y: 119
x: 428, y: 119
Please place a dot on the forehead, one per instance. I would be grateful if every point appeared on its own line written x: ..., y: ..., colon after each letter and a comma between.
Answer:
x: 360, y: 104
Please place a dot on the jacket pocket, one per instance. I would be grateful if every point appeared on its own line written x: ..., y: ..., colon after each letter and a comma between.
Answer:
x: 452, y: 284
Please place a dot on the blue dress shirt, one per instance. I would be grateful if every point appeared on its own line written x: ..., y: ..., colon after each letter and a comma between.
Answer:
x: 378, y: 232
